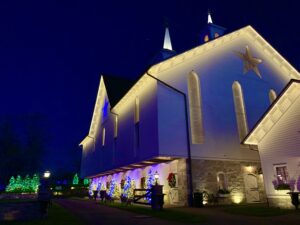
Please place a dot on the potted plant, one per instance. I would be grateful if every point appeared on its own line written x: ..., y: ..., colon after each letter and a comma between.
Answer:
x: 223, y: 193
x: 281, y: 188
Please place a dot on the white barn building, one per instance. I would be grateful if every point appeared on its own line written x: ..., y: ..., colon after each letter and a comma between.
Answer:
x: 186, y: 118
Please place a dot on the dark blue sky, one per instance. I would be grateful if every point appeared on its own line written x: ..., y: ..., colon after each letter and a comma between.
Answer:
x: 52, y: 52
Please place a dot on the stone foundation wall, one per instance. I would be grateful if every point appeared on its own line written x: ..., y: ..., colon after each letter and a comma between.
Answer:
x: 182, y: 181
x: 205, y: 178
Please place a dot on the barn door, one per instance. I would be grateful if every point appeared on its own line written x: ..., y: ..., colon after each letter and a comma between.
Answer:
x: 251, y: 188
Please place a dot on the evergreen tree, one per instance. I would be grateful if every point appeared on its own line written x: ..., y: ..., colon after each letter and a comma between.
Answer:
x: 27, y: 184
x: 19, y: 184
x: 11, y: 186
x: 75, y: 179
x: 86, y: 181
x: 35, y: 182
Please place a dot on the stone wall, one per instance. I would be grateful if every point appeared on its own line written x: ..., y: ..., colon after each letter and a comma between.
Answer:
x: 182, y: 181
x: 205, y: 179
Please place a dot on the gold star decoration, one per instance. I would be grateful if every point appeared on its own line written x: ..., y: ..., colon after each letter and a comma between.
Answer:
x: 250, y: 63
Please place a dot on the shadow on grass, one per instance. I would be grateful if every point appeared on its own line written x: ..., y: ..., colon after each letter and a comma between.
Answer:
x: 171, y: 214
x: 258, y: 210
x: 57, y: 216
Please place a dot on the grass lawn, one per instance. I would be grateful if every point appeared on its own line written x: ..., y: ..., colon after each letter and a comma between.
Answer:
x: 57, y: 216
x: 258, y: 210
x: 171, y: 214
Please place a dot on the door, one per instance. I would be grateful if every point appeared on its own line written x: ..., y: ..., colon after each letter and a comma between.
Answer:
x: 251, y: 188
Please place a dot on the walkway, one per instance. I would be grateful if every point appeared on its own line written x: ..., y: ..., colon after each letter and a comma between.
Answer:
x: 216, y: 216
x: 96, y: 214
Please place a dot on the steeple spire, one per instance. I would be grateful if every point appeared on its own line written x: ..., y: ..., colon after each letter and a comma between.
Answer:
x: 209, y: 19
x: 167, y: 40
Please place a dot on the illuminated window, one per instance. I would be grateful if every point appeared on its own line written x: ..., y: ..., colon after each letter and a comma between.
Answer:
x: 206, y: 38
x: 116, y: 127
x: 195, y: 107
x: 272, y: 96
x: 217, y: 35
x: 137, y: 110
x: 282, y: 174
x: 222, y: 183
x: 103, y: 136
x: 240, y: 111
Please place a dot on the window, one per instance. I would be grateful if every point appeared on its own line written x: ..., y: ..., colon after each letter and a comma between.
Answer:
x: 272, y: 96
x: 222, y: 183
x: 282, y: 174
x: 206, y: 38
x: 240, y: 111
x: 103, y: 136
x: 195, y: 108
x: 137, y: 110
x: 116, y: 127
x: 105, y: 109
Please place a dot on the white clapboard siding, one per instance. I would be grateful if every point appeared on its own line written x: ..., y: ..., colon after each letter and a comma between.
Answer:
x: 281, y: 145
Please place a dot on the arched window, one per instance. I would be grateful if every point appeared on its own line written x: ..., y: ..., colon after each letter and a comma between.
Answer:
x: 272, y: 96
x: 222, y: 182
x: 240, y: 111
x: 103, y: 136
x: 137, y: 110
x: 217, y: 35
x: 206, y: 38
x: 195, y: 107
x: 116, y: 127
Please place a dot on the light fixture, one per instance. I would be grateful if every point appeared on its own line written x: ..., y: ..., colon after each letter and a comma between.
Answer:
x: 156, y: 176
x: 47, y: 174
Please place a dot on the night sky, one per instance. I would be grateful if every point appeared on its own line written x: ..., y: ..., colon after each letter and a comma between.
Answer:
x: 53, y: 52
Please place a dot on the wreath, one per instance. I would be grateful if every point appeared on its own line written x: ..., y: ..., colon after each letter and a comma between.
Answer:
x: 171, y: 180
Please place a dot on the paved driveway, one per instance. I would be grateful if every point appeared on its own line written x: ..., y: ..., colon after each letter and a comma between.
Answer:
x: 95, y: 214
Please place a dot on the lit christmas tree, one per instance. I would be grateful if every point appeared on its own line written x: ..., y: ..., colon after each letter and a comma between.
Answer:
x: 11, y: 186
x: 86, y: 181
x: 75, y: 179
x: 150, y: 181
x: 27, y: 184
x: 35, y: 182
x: 19, y: 184
x: 114, y: 190
x: 99, y: 186
x: 129, y: 186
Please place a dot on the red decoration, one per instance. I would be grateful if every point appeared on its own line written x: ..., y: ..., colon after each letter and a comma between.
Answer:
x: 172, y: 180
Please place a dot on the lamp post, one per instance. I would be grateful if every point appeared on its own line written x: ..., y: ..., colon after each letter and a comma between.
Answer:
x: 47, y: 174
x: 156, y: 177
